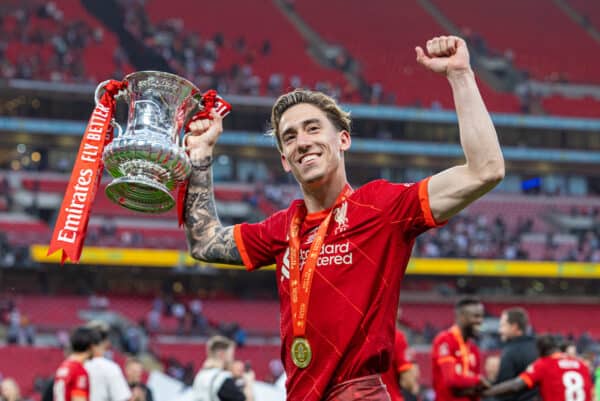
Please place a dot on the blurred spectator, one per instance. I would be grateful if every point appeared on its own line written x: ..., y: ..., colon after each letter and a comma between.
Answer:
x: 275, y: 370
x: 134, y: 372
x: 519, y: 351
x: 9, y: 390
x: 215, y: 381
x: 107, y: 382
x: 199, y: 322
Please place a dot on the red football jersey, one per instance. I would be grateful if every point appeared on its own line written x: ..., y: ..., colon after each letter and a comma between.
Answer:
x: 356, y: 285
x: 454, y: 368
x: 560, y: 377
x: 71, y: 380
x: 400, y: 363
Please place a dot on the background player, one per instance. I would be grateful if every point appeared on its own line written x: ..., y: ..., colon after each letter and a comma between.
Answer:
x: 402, y: 376
x: 560, y: 377
x: 71, y: 382
x: 456, y: 359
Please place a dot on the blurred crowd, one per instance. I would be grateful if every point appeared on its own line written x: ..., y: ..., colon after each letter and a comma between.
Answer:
x: 479, y: 236
x: 38, y: 43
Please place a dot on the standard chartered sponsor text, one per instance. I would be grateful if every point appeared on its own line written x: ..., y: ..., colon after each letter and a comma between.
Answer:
x: 331, y: 254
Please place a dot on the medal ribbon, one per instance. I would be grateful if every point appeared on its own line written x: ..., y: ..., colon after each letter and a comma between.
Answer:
x: 464, y: 350
x: 72, y: 221
x: 300, y: 284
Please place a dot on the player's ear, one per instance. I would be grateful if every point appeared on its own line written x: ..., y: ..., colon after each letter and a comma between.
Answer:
x: 345, y: 140
x: 285, y: 164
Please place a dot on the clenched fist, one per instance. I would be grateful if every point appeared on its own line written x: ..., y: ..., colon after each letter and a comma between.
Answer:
x: 203, y: 136
x: 445, y: 55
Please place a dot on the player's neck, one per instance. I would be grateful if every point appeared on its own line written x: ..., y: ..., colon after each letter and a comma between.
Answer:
x: 211, y: 363
x: 79, y: 357
x: 463, y: 332
x: 323, y: 196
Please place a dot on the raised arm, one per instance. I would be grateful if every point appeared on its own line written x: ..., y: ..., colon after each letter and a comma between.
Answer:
x: 453, y: 189
x: 207, y: 239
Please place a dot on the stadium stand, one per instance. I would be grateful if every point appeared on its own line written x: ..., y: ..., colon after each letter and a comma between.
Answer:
x: 534, y: 48
x: 264, y: 48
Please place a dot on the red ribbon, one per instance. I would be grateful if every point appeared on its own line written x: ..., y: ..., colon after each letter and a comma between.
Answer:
x: 301, y: 282
x: 72, y: 221
x: 210, y: 101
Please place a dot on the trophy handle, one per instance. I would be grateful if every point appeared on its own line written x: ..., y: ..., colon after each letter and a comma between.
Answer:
x: 116, y: 125
x: 101, y: 88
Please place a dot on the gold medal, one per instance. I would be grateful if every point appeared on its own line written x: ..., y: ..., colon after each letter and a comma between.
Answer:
x: 301, y: 352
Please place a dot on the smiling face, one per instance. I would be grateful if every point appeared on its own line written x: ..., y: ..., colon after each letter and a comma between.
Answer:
x: 312, y: 148
x: 470, y: 319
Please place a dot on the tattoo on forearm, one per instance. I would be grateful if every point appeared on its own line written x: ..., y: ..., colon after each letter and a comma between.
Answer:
x: 207, y: 238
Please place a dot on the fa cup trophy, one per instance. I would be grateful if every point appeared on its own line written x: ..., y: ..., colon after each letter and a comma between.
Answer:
x: 148, y: 160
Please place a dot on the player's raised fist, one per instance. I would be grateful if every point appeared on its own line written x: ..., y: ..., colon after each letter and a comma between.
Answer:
x: 203, y: 134
x: 445, y: 55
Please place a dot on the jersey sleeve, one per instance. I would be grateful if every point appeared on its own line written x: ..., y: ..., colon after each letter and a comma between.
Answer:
x: 407, y: 205
x: 533, y: 373
x: 442, y: 351
x: 118, y: 387
x: 402, y: 360
x: 255, y: 241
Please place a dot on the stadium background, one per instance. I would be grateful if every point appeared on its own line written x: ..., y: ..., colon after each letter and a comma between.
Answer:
x: 533, y: 242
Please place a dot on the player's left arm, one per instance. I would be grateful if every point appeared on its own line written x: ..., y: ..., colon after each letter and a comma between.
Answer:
x: 452, y: 190
x: 506, y: 387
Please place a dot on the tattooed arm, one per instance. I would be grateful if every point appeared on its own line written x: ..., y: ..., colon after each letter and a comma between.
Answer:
x: 207, y: 239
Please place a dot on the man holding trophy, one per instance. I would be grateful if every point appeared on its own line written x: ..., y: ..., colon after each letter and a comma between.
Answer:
x: 344, y: 249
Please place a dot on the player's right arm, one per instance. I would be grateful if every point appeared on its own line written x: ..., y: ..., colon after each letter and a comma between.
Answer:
x: 506, y: 387
x: 528, y: 379
x: 208, y: 239
x: 447, y: 362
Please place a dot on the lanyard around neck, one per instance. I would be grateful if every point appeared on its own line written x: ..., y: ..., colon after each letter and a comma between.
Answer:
x: 300, y: 284
x: 464, y: 350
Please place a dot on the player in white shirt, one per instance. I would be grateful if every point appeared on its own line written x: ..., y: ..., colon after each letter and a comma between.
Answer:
x: 107, y: 382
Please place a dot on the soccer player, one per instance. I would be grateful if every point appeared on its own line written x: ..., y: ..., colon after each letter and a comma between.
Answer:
x: 107, y: 382
x: 71, y: 382
x: 401, y: 376
x: 456, y: 360
x: 345, y: 249
x: 560, y: 377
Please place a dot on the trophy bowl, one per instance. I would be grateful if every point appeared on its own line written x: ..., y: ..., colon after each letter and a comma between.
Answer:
x: 148, y: 160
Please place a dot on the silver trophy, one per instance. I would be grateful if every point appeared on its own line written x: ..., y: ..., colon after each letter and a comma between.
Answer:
x: 148, y: 159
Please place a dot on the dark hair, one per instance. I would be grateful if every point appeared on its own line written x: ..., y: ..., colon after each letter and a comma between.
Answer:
x: 338, y: 117
x: 82, y: 339
x: 546, y: 344
x: 101, y: 328
x: 517, y: 316
x: 466, y: 301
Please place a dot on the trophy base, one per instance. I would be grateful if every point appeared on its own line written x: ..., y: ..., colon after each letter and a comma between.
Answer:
x: 140, y: 194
